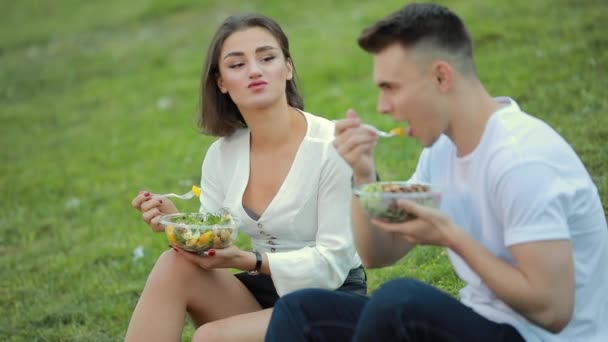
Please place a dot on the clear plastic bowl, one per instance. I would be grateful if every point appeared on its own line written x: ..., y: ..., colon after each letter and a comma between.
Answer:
x: 379, y: 199
x: 199, y: 232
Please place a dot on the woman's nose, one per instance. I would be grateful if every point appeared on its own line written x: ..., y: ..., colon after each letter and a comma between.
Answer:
x: 254, y: 70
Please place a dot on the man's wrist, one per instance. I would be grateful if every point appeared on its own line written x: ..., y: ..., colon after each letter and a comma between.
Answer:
x: 364, y: 179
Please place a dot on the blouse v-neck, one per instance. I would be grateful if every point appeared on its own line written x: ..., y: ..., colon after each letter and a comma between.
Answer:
x: 246, y: 168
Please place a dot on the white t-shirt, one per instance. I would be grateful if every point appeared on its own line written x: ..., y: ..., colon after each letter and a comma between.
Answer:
x: 524, y: 183
x: 306, y: 229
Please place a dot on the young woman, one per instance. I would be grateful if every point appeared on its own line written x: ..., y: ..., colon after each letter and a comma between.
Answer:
x: 274, y: 166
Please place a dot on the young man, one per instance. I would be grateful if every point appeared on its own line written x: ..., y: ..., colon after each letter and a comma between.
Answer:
x: 521, y: 217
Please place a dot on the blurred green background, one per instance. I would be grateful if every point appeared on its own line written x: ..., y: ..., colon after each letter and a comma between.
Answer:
x: 98, y: 100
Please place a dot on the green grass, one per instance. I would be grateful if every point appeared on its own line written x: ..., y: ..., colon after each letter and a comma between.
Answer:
x: 81, y: 131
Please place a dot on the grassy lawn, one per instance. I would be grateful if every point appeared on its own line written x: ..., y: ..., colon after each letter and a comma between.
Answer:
x: 98, y: 101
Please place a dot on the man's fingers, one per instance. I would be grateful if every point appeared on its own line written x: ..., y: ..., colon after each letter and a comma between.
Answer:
x: 410, y: 227
x: 351, y: 140
x: 350, y: 113
x: 346, y: 124
x: 387, y: 226
x: 420, y: 211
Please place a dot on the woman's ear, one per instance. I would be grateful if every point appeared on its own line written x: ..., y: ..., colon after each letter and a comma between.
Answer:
x: 289, y: 68
x: 220, y: 85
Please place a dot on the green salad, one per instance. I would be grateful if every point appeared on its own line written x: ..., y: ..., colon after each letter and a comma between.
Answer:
x: 380, y: 199
x: 198, y: 232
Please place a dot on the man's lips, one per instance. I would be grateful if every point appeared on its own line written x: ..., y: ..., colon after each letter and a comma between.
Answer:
x: 256, y: 84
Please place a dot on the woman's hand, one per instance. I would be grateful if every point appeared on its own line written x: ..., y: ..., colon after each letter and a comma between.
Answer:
x: 229, y: 257
x: 431, y: 227
x: 356, y: 146
x: 152, y: 209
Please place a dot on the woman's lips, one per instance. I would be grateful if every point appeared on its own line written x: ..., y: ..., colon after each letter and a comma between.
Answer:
x: 256, y: 85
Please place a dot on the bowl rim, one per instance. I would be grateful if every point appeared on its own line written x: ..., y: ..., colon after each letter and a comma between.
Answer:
x: 434, y: 190
x: 165, y: 220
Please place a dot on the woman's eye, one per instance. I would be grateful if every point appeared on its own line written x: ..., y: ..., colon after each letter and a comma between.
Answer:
x: 236, y: 65
x: 268, y: 58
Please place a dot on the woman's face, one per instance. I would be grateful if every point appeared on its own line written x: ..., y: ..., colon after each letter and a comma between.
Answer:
x: 253, y: 69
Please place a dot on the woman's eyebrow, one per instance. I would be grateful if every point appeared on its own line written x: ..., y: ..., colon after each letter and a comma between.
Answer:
x: 258, y: 50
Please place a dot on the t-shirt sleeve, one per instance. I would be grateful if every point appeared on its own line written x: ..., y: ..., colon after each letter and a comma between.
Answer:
x: 532, y: 200
x: 326, y: 264
x: 212, y: 193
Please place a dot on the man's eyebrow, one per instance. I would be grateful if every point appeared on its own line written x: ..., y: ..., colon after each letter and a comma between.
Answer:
x: 258, y: 50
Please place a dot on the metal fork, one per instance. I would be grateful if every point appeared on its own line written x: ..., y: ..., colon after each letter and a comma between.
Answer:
x: 185, y: 196
x: 196, y: 191
x: 394, y: 132
x: 383, y: 134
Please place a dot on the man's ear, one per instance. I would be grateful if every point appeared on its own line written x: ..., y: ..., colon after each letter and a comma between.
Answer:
x: 220, y: 85
x: 443, y: 74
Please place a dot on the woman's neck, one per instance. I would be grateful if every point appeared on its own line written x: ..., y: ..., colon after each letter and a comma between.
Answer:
x: 272, y: 127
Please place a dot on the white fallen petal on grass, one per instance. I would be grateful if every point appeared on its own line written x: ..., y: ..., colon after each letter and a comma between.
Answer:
x: 138, y: 253
x: 164, y: 103
x: 72, y: 203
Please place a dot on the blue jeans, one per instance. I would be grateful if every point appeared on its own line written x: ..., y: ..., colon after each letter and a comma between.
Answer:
x: 400, y: 310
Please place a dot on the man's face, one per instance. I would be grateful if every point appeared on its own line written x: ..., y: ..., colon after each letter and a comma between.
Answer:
x: 409, y: 93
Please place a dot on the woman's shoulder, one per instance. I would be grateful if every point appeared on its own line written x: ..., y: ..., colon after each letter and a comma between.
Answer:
x: 230, y: 144
x: 320, y: 127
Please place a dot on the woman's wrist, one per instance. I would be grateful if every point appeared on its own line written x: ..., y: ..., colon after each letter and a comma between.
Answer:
x: 245, y: 261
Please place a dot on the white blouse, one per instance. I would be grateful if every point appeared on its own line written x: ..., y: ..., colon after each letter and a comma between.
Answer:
x: 306, y: 229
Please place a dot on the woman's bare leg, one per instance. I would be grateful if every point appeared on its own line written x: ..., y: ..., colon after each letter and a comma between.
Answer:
x: 245, y: 327
x: 176, y: 286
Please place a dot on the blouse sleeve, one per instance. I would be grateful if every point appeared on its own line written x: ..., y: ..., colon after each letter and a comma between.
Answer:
x: 326, y: 264
x: 212, y: 194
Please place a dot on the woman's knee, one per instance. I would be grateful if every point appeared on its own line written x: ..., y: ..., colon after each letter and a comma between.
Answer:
x: 171, y: 266
x: 208, y: 332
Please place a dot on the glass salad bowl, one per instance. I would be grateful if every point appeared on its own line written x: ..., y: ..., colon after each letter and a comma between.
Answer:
x: 199, y: 232
x: 379, y: 199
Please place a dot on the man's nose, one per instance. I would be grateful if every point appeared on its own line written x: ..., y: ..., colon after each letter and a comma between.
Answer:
x: 383, y: 106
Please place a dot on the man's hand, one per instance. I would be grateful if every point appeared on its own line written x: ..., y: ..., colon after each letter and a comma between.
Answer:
x: 356, y: 146
x: 430, y: 227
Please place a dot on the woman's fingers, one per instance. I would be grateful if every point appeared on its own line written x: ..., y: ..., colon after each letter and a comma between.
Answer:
x: 140, y: 198
x: 151, y: 203
x: 150, y: 214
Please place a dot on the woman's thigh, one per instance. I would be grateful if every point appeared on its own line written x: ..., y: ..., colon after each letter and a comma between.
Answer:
x: 209, y: 294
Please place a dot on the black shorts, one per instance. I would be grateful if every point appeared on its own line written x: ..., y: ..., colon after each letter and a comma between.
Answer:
x: 262, y: 287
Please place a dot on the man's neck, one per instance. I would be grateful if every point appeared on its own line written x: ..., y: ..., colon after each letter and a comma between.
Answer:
x: 470, y: 117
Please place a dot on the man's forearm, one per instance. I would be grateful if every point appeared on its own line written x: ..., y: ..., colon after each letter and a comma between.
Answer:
x: 543, y: 297
x: 376, y: 248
